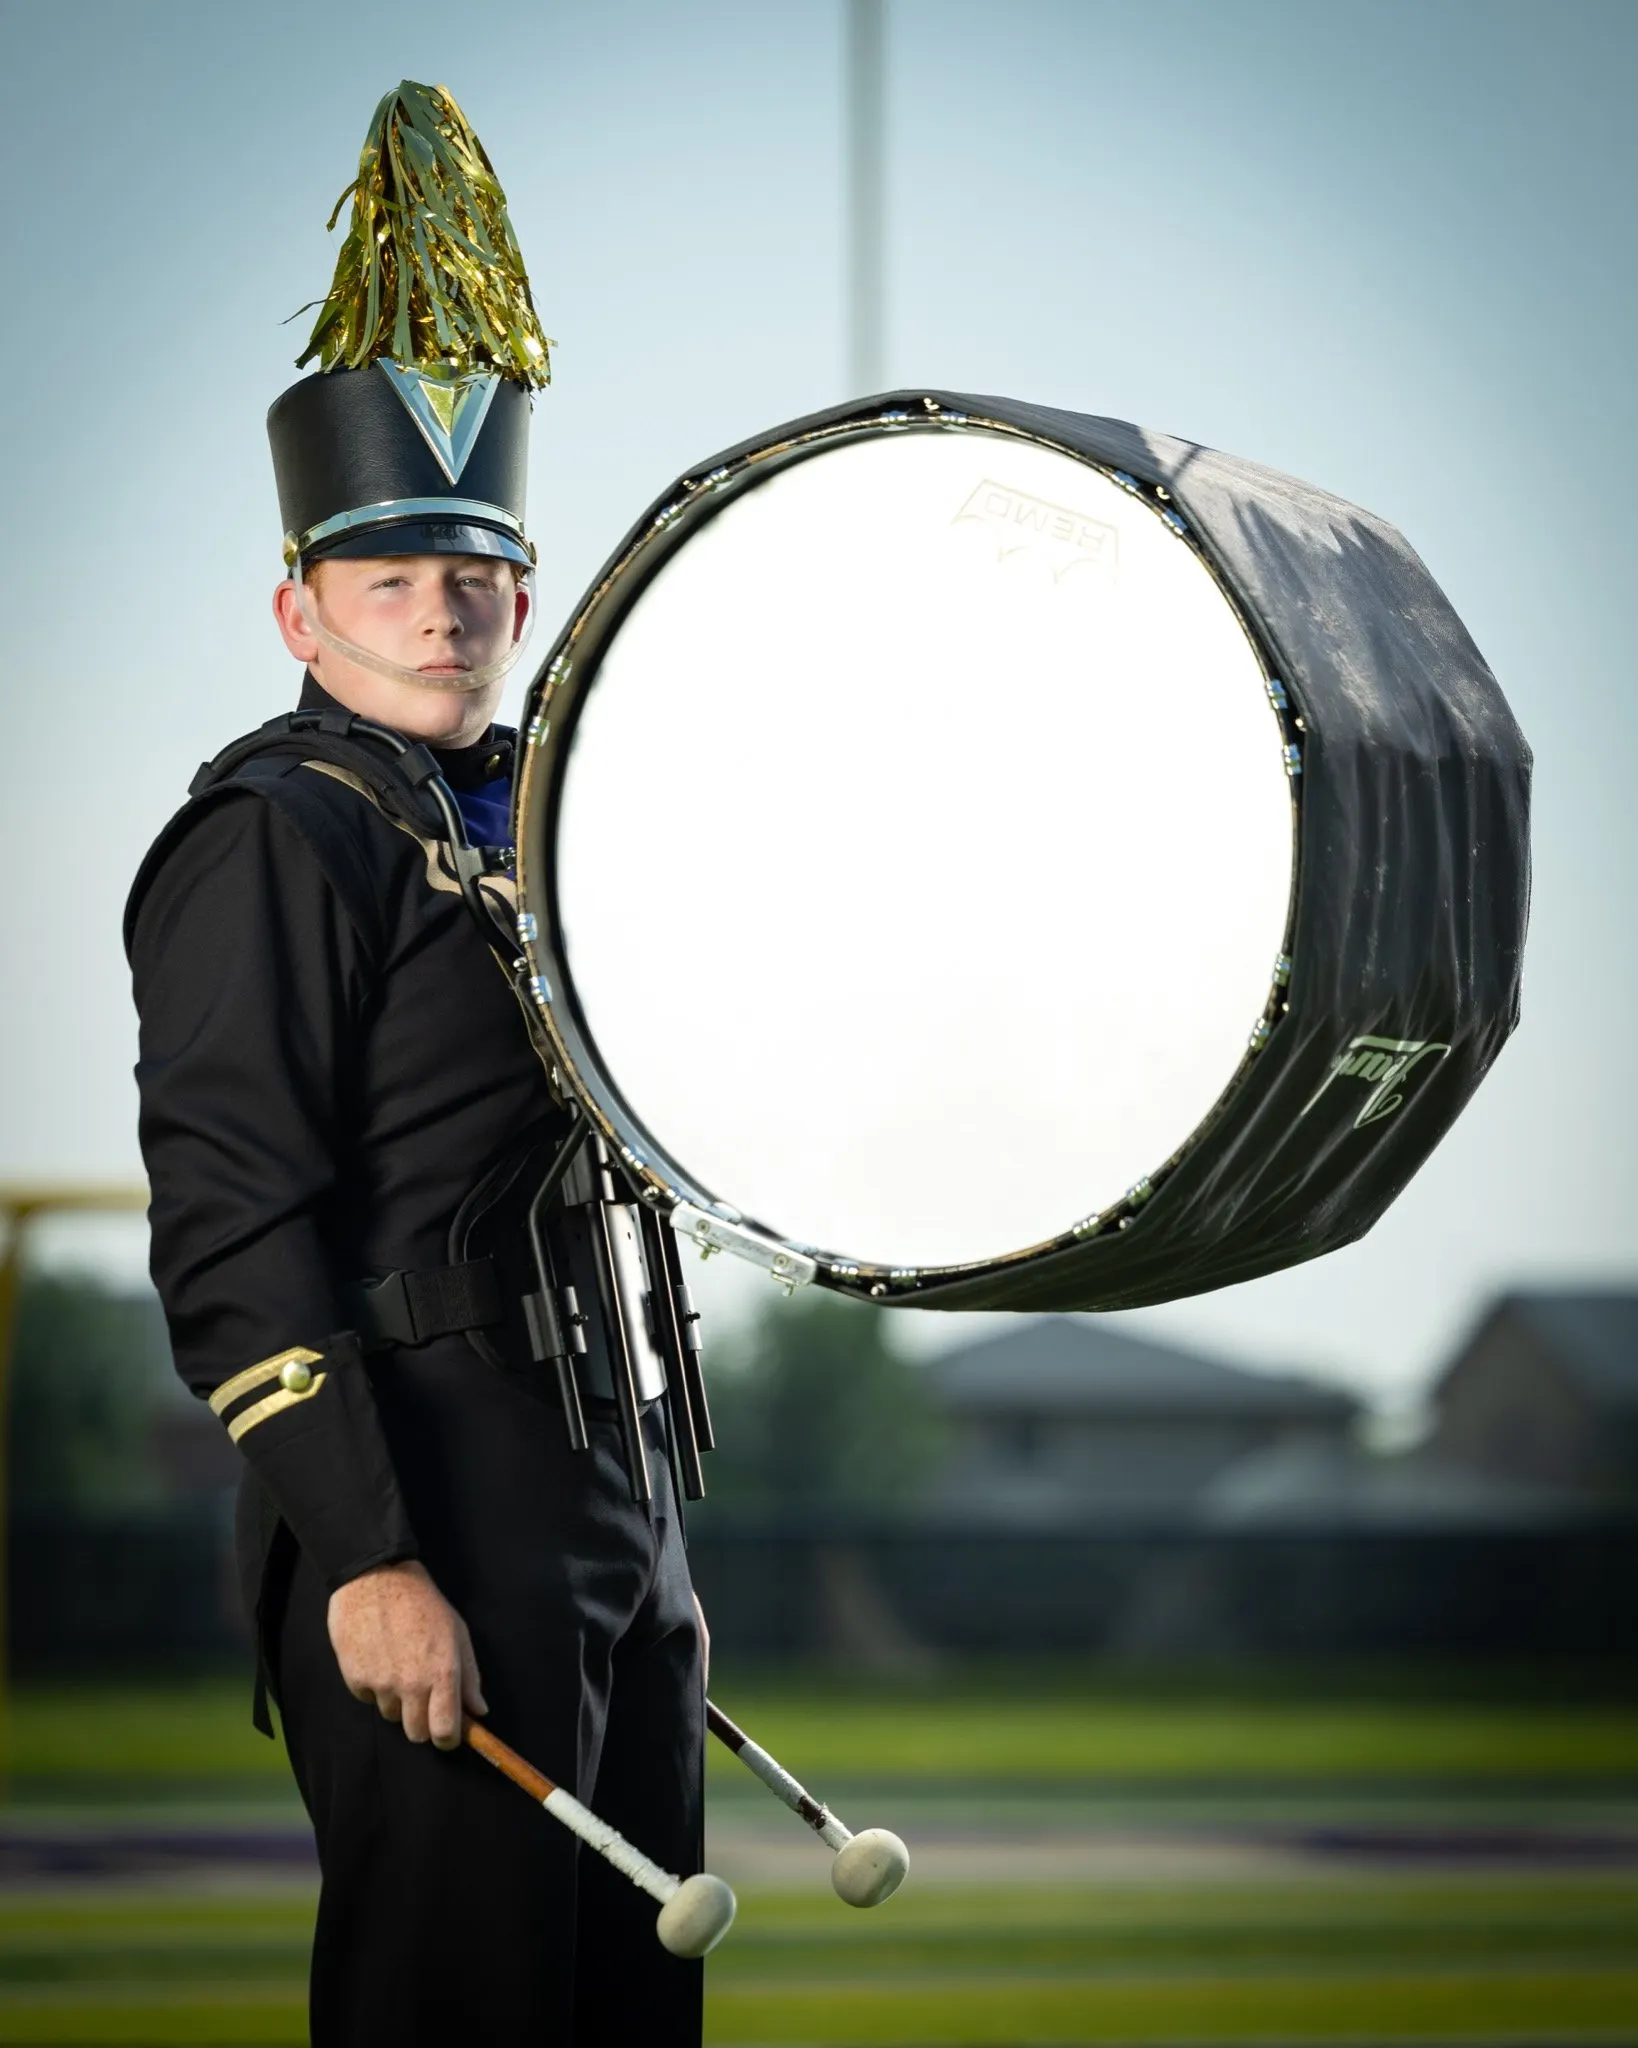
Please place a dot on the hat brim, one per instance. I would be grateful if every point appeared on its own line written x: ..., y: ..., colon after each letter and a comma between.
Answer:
x: 425, y: 537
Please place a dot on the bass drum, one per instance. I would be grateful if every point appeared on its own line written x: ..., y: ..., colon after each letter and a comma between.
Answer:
x: 975, y: 856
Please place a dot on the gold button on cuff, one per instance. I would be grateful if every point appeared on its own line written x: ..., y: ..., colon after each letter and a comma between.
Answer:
x: 261, y: 1374
x: 296, y: 1376
x: 274, y: 1404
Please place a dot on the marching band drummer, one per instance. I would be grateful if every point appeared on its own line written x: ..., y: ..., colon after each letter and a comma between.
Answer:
x: 331, y: 1063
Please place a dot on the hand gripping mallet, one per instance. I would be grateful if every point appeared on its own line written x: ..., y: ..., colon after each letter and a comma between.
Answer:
x: 868, y: 1868
x: 695, y: 1912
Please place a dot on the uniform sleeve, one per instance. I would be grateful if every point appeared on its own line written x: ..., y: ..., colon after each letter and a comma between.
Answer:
x: 251, y: 984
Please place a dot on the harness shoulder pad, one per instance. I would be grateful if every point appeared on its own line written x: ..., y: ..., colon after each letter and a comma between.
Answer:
x: 333, y: 820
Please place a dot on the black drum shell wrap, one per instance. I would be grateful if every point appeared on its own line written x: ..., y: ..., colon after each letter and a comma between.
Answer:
x: 1413, y: 880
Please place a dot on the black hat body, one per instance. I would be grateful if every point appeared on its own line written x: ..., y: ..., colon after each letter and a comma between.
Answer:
x: 386, y: 460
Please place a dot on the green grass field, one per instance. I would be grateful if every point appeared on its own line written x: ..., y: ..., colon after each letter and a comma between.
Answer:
x: 1500, y: 1952
x: 145, y: 1735
x: 1505, y: 1961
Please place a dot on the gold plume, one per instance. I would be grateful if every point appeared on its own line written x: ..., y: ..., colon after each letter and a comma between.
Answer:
x: 430, y: 272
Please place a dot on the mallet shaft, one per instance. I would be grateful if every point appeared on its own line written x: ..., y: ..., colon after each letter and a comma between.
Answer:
x: 507, y: 1761
x: 777, y: 1779
x: 579, y: 1820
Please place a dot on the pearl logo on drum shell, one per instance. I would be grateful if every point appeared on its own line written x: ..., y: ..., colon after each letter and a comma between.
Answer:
x: 1066, y: 539
x: 1384, y: 1062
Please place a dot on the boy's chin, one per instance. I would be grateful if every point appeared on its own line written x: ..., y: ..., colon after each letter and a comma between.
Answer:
x: 438, y: 712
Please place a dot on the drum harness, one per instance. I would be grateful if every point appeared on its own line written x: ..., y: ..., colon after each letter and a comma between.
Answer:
x: 466, y: 1296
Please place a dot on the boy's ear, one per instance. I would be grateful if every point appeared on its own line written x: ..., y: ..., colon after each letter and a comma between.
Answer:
x: 292, y: 626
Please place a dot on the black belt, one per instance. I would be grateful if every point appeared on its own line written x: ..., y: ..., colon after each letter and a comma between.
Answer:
x: 413, y: 1308
x: 445, y: 1301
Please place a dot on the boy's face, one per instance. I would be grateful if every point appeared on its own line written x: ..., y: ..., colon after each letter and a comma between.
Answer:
x: 439, y: 616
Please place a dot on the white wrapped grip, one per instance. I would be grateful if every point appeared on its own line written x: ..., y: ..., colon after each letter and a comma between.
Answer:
x: 612, y: 1845
x: 780, y: 1782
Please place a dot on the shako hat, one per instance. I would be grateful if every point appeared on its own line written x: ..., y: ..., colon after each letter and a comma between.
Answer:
x: 412, y: 436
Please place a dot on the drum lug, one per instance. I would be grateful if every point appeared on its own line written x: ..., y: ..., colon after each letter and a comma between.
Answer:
x: 787, y: 1268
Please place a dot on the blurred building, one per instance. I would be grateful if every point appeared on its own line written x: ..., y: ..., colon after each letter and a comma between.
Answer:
x: 1544, y: 1395
x: 1534, y: 1422
x: 1105, y: 1496
x: 1345, y: 1486
x: 1099, y: 1495
x: 1058, y: 1420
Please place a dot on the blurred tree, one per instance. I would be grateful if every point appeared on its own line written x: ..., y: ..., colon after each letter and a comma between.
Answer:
x: 815, y: 1408
x: 90, y: 1367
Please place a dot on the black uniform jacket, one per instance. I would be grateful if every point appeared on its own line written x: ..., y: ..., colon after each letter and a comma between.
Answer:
x: 330, y: 1057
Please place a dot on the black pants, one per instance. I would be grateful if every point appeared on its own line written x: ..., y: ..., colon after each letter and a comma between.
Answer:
x: 453, y: 1910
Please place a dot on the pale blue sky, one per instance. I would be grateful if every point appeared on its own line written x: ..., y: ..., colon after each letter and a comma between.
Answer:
x: 1388, y: 247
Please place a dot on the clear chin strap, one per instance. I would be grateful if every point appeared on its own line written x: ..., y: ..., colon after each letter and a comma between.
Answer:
x: 395, y: 672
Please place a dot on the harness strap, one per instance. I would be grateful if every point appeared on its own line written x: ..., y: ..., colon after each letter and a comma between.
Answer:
x: 413, y: 1308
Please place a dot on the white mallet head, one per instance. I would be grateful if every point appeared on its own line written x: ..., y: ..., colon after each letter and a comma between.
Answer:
x: 697, y: 1915
x: 870, y: 1868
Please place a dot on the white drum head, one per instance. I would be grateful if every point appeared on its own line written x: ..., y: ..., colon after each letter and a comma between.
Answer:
x: 974, y: 844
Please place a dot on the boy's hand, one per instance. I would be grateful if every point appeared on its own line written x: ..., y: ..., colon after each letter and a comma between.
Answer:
x: 402, y: 1647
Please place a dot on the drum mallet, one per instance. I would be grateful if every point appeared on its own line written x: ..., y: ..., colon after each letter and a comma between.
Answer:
x: 867, y: 1868
x: 695, y: 1912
